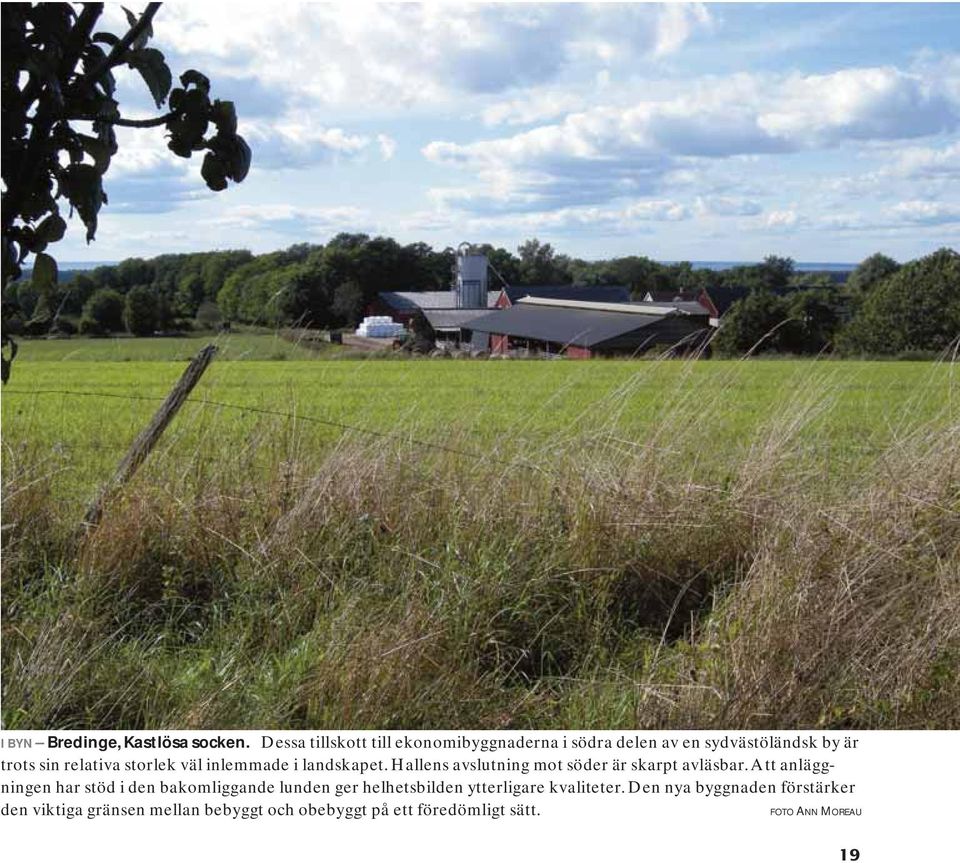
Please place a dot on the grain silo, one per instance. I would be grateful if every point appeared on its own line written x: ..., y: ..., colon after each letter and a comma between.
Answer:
x: 470, y: 278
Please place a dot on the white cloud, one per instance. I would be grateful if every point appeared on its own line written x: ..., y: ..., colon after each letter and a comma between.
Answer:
x: 286, y: 218
x: 676, y: 24
x: 635, y: 217
x: 144, y: 152
x: 533, y: 107
x: 610, y: 151
x: 298, y: 140
x: 870, y: 103
x: 393, y: 55
x: 925, y: 212
x: 782, y: 219
x: 388, y: 147
x: 722, y: 205
x: 927, y: 162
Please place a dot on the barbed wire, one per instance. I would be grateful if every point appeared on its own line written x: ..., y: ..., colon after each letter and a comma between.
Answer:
x: 342, y: 426
x: 379, y: 433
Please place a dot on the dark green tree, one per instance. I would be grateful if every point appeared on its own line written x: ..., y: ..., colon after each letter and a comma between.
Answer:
x: 347, y: 303
x: 815, y: 318
x: 541, y: 265
x: 870, y: 272
x: 758, y: 323
x: 209, y: 316
x: 775, y: 273
x: 917, y: 308
x: 141, y: 311
x: 103, y: 312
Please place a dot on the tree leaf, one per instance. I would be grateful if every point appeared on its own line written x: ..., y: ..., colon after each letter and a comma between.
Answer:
x: 192, y: 76
x: 240, y: 161
x: 52, y: 228
x: 214, y: 173
x: 224, y: 116
x: 83, y: 187
x: 98, y: 150
x: 106, y: 38
x: 93, y: 55
x: 149, y: 62
x: 44, y: 276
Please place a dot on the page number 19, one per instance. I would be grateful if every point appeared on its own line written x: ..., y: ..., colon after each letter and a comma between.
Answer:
x: 849, y: 854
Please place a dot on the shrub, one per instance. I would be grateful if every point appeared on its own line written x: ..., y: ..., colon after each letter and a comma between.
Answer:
x: 105, y: 309
x: 64, y: 327
x: 209, y: 316
x: 140, y: 312
x: 917, y: 308
x: 90, y: 327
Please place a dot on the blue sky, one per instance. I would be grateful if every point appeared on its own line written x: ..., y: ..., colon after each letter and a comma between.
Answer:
x: 701, y: 132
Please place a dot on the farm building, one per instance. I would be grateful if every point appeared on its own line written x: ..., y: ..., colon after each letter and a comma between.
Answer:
x: 577, y: 328
x: 508, y: 296
x: 452, y: 322
x: 403, y: 305
x: 683, y: 297
x: 572, y: 319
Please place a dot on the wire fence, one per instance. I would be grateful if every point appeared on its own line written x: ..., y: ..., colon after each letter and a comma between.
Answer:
x: 254, y: 409
x: 486, y: 456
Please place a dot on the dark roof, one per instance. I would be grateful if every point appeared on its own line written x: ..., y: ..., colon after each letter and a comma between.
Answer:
x: 410, y: 301
x: 452, y: 319
x: 563, y: 326
x: 588, y: 293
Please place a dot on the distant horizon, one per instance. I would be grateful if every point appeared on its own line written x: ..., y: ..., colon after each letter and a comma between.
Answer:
x: 799, y: 266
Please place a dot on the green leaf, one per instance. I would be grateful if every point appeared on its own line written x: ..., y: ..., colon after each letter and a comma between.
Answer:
x: 44, y: 273
x: 192, y: 76
x: 93, y: 55
x: 83, y: 187
x: 149, y: 62
x: 51, y: 229
x: 224, y: 116
x: 106, y: 38
x: 98, y: 150
x: 240, y: 161
x: 177, y: 145
x: 214, y: 172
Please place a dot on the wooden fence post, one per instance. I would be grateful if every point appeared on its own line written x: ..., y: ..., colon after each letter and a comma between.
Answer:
x: 147, y: 439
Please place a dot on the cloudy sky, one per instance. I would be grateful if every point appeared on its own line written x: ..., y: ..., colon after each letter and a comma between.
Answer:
x: 716, y: 132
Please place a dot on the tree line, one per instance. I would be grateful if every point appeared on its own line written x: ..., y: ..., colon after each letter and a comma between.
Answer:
x: 882, y: 308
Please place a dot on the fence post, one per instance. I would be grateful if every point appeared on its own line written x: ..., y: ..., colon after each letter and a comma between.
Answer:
x: 147, y: 439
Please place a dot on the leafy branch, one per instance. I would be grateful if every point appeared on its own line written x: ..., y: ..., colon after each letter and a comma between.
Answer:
x: 58, y: 71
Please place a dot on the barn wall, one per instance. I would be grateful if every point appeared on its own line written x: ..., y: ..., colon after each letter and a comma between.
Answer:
x: 577, y: 353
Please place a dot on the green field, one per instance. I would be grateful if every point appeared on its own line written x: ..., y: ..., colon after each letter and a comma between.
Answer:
x: 525, y: 407
x: 482, y: 543
x: 233, y: 346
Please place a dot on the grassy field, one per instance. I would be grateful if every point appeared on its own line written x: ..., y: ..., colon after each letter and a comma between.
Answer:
x: 452, y: 543
x: 233, y: 346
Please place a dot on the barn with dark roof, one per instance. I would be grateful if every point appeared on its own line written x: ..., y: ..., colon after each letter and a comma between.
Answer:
x: 578, y: 328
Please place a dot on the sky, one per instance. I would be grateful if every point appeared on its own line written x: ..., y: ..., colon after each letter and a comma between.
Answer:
x: 718, y: 132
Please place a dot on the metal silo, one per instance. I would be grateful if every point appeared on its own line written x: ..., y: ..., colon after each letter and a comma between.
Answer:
x: 470, y: 285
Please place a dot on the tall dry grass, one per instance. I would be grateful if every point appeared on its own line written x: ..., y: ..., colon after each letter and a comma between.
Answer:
x: 596, y: 582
